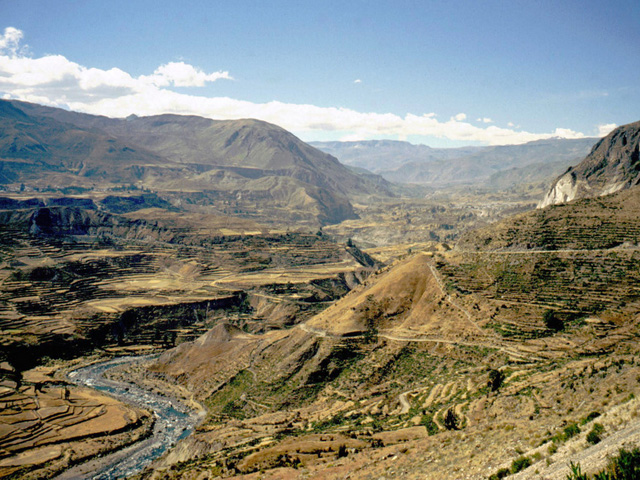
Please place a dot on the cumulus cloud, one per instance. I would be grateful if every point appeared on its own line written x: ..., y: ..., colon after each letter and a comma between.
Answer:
x: 357, y: 80
x: 54, y: 80
x: 485, y: 120
x: 181, y: 74
x: 10, y: 41
x: 606, y: 129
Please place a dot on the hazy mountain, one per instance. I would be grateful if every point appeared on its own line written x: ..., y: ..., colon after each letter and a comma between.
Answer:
x: 612, y: 165
x: 403, y: 162
x: 382, y: 155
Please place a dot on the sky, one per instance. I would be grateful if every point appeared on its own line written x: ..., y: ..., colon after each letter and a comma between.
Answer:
x: 442, y: 73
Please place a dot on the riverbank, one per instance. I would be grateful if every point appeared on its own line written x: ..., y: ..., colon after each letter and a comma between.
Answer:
x: 48, y: 424
x: 174, y: 420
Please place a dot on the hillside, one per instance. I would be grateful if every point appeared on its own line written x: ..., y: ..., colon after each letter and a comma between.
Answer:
x: 590, y: 223
x: 613, y: 164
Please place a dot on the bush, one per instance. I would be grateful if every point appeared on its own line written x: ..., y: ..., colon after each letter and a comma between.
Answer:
x: 342, y: 451
x: 520, y: 464
x: 503, y: 472
x: 552, y: 321
x: 451, y: 420
x: 576, y: 472
x: 496, y: 378
x: 594, y: 436
x: 571, y: 431
x: 592, y: 416
x: 626, y: 466
x: 429, y: 424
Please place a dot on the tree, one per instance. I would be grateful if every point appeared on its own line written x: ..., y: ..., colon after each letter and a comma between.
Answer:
x: 496, y: 377
x: 552, y: 321
x: 451, y: 420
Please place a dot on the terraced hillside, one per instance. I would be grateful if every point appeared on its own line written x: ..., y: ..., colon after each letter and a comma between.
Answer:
x: 448, y: 364
x: 93, y: 279
x: 400, y: 376
x: 46, y: 424
x: 587, y: 224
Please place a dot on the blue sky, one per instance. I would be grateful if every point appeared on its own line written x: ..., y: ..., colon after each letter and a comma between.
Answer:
x: 444, y: 73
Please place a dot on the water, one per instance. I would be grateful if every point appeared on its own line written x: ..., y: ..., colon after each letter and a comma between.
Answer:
x: 173, y: 421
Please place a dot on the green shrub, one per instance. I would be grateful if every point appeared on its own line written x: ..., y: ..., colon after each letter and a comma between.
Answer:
x: 571, y: 431
x: 429, y: 424
x: 503, y: 472
x: 588, y: 418
x: 625, y: 466
x: 594, y: 436
x: 576, y: 472
x: 552, y: 321
x: 520, y: 464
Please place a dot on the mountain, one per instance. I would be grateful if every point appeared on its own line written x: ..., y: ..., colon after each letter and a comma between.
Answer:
x: 244, y: 167
x: 41, y: 150
x: 403, y: 162
x: 612, y: 165
x: 255, y: 146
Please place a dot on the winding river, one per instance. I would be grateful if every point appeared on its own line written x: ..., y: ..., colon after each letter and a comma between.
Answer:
x: 173, y: 421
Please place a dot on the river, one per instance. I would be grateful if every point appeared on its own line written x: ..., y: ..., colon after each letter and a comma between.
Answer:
x: 173, y: 421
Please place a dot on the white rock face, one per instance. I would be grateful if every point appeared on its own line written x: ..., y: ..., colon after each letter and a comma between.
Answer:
x: 564, y: 190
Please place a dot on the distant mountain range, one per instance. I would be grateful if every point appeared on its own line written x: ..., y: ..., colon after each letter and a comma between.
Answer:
x: 248, y: 167
x: 494, y: 167
x: 612, y: 165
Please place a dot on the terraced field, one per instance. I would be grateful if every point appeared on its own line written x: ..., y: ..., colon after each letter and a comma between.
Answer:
x: 46, y: 424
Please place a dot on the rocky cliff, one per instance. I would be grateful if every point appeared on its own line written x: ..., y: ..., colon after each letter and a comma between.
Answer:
x: 612, y: 165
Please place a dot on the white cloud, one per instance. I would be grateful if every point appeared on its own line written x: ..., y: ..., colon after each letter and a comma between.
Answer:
x: 54, y: 80
x: 606, y: 129
x: 10, y: 40
x: 511, y: 124
x: 485, y: 120
x: 357, y: 80
x: 181, y: 74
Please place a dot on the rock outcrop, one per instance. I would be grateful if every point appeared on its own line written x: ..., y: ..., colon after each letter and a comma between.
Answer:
x: 612, y: 165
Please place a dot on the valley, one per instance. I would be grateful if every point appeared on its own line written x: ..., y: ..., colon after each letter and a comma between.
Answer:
x: 323, y: 322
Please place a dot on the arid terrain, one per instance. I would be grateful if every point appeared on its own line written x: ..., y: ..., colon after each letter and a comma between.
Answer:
x: 453, y: 334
